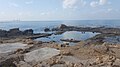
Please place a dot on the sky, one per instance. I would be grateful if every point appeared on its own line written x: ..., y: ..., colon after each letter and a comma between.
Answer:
x: 59, y: 9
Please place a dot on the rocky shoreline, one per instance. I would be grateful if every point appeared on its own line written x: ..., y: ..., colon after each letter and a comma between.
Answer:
x: 93, y: 52
x: 102, y: 30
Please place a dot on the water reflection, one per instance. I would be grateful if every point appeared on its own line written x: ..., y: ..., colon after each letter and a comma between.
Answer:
x: 68, y: 35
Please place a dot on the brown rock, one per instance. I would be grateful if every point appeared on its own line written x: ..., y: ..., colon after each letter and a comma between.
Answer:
x: 78, y: 65
x: 100, y: 49
x: 19, y: 51
x: 69, y: 64
x: 117, y: 63
x: 28, y: 41
x: 65, y: 52
x: 64, y: 45
x: 104, y: 60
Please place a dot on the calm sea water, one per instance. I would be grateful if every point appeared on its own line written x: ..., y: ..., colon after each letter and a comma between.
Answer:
x: 38, y: 26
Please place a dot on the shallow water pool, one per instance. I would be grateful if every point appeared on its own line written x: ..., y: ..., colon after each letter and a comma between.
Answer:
x: 68, y: 35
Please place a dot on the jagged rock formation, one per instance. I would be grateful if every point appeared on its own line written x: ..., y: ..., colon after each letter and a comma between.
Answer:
x: 104, y: 30
x: 15, y: 32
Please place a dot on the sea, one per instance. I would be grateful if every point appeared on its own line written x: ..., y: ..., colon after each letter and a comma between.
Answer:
x: 39, y: 26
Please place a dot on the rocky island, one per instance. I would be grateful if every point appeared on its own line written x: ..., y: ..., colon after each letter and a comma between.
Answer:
x: 19, y: 49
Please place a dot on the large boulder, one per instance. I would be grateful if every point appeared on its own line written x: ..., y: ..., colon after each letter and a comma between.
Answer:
x: 28, y: 32
x: 101, y: 49
x: 3, y: 33
x: 9, y: 60
x: 46, y: 29
x: 14, y: 32
x: 11, y: 47
x: 62, y: 26
x: 41, y: 54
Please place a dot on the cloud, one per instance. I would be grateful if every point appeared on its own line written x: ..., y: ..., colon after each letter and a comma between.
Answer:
x: 73, y: 3
x: 78, y: 3
x: 110, y: 9
x: 13, y: 4
x: 29, y: 2
x: 2, y: 13
x: 69, y: 3
x: 94, y: 4
x: 98, y: 3
x: 102, y: 2
x: 44, y: 13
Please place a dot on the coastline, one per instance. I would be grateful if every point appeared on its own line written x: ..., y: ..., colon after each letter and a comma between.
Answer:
x: 89, y: 53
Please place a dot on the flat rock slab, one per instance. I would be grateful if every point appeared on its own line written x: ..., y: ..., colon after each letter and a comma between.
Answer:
x: 41, y: 54
x: 9, y: 47
x: 59, y: 65
x: 71, y: 59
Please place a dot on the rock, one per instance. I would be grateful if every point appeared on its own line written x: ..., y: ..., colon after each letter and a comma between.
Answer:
x: 41, y: 65
x: 78, y: 65
x: 71, y: 59
x: 22, y: 64
x: 14, y: 32
x: 117, y: 52
x: 28, y: 32
x: 104, y: 60
x: 70, y: 40
x: 59, y: 32
x: 3, y: 33
x: 64, y: 45
x: 69, y: 64
x: 28, y: 41
x: 46, y: 29
x: 55, y: 29
x: 100, y: 49
x: 59, y: 65
x: 62, y: 26
x: 11, y: 47
x: 19, y: 51
x: 9, y: 61
x: 116, y: 66
x: 38, y: 42
x: 117, y: 62
x: 41, y: 54
x: 65, y: 52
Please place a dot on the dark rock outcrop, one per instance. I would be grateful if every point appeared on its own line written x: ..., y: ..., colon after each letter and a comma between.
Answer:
x: 28, y: 32
x: 70, y: 40
x: 62, y: 26
x: 9, y: 61
x: 15, y: 32
x: 59, y: 32
x: 104, y: 30
x: 46, y: 29
x: 3, y: 33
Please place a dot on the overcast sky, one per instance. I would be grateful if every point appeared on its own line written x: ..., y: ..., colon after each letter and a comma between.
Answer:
x: 59, y: 9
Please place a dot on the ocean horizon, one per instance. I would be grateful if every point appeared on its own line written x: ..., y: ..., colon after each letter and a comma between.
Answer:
x: 40, y: 25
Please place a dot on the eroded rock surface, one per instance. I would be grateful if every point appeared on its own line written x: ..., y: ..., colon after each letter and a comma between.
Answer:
x: 9, y: 47
x: 41, y: 54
